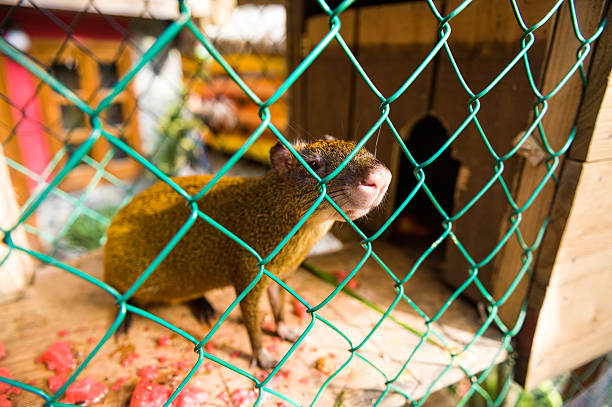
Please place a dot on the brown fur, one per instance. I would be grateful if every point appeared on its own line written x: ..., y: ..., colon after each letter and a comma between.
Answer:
x: 260, y: 211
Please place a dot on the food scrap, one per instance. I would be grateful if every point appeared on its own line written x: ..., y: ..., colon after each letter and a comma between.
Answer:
x: 4, y: 401
x: 6, y: 388
x: 129, y: 359
x: 2, y: 351
x: 191, y: 396
x: 58, y: 357
x: 149, y: 394
x: 119, y: 383
x: 148, y: 372
x: 91, y: 340
x: 273, y: 347
x: 56, y: 382
x: 299, y: 308
x: 224, y: 398
x: 62, y: 332
x: 244, y: 397
x: 234, y: 354
x: 341, y: 275
x: 163, y: 340
x: 162, y: 359
x: 184, y: 365
x: 325, y: 365
x: 84, y: 392
x: 209, y: 347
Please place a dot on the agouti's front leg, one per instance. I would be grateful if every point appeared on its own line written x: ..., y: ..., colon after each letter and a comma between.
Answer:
x: 276, y: 295
x: 251, y: 316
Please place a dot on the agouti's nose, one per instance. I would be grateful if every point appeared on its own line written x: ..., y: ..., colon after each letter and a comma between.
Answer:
x: 378, y: 178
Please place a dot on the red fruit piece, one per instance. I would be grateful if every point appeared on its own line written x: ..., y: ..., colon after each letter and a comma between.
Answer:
x: 62, y: 332
x: 91, y: 340
x: 85, y: 392
x: 273, y: 347
x: 162, y: 359
x: 149, y: 394
x: 4, y: 401
x: 184, y: 365
x: 209, y: 347
x: 283, y: 374
x: 129, y: 359
x: 191, y: 396
x: 2, y: 351
x: 56, y: 382
x: 224, y: 398
x: 299, y: 308
x: 58, y: 357
x: 6, y: 388
x: 244, y: 397
x: 148, y: 372
x: 343, y: 274
x: 118, y: 383
x: 163, y: 340
x: 234, y: 354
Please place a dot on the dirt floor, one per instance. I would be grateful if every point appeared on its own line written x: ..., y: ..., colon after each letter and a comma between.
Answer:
x: 62, y: 307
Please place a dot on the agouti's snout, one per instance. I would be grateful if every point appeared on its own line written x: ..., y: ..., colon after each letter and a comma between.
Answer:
x: 375, y: 184
x: 365, y: 192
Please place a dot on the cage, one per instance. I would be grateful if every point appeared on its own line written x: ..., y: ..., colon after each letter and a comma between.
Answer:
x: 491, y: 116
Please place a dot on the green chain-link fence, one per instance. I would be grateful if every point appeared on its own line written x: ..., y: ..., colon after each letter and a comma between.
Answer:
x: 99, y: 105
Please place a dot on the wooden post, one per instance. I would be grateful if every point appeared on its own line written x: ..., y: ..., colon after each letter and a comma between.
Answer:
x: 569, y: 319
x: 17, y: 271
x: 557, y: 123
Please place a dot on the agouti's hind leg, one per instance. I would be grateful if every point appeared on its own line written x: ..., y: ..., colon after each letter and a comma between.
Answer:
x: 201, y: 309
x: 250, y: 314
x: 276, y: 295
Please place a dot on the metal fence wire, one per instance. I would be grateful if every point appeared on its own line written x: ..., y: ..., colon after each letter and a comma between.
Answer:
x: 97, y: 109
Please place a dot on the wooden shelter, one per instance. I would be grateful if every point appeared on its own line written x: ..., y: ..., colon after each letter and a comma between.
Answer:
x: 390, y: 40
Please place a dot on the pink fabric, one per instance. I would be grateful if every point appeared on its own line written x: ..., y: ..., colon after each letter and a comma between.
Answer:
x: 31, y: 138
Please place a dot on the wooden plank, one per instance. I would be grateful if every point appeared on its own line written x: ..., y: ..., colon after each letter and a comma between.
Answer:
x: 567, y: 297
x: 389, y: 50
x: 388, y: 72
x: 295, y: 95
x: 574, y: 323
x: 484, y: 39
x: 32, y: 324
x: 557, y: 123
x: 594, y: 133
x: 17, y: 270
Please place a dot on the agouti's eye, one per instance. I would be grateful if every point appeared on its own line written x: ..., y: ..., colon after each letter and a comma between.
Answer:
x: 313, y: 165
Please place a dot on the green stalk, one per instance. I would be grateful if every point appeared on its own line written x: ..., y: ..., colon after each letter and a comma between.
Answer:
x: 328, y: 278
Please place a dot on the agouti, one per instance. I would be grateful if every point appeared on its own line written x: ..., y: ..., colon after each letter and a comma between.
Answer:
x: 261, y: 211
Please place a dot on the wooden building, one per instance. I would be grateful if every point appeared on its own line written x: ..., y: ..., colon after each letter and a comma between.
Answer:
x: 390, y: 39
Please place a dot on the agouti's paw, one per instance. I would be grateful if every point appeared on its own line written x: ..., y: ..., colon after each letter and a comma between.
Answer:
x: 202, y: 310
x: 287, y: 333
x: 265, y: 360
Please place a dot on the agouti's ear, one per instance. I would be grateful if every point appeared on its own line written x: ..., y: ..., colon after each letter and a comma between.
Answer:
x: 280, y: 158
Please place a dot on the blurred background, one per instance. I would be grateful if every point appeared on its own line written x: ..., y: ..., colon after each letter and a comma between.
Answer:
x: 182, y: 111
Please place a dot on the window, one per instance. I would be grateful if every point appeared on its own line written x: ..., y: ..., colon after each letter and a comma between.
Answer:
x: 91, y: 79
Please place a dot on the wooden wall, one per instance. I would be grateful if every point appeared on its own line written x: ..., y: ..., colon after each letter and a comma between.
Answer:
x: 568, y: 321
x: 390, y: 41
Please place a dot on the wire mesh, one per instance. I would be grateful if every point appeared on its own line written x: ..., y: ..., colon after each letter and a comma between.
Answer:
x: 96, y: 111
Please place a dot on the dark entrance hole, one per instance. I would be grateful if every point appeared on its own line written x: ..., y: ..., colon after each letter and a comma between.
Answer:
x: 420, y: 219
